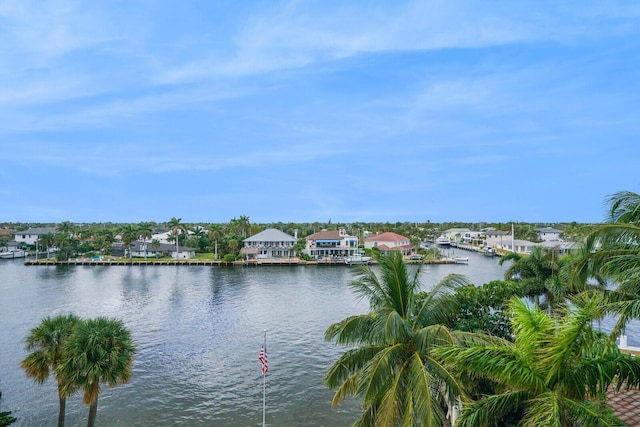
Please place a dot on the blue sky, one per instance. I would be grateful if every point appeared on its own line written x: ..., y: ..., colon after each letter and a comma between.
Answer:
x: 302, y: 111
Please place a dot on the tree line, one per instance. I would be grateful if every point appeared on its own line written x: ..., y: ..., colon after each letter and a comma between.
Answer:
x: 226, y: 239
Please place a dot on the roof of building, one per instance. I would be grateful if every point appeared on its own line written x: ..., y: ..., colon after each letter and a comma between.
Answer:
x: 548, y: 230
x: 325, y: 235
x: 41, y: 230
x: 495, y: 232
x: 271, y: 235
x: 387, y: 237
x: 456, y: 230
x: 136, y: 246
x: 625, y: 405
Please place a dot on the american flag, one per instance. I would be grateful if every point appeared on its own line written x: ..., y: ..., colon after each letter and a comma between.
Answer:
x: 262, y: 357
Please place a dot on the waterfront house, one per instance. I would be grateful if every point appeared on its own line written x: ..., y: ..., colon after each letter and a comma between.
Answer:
x: 495, y: 238
x: 139, y: 248
x: 269, y: 243
x: 548, y: 234
x: 331, y: 243
x: 463, y: 235
x: 30, y: 236
x: 387, y: 242
x: 517, y: 245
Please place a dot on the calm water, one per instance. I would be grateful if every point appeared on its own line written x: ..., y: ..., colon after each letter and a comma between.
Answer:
x: 198, y: 330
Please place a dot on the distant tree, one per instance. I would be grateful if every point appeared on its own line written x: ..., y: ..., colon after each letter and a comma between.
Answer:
x: 215, y: 233
x: 66, y: 227
x: 155, y: 244
x: 145, y: 231
x: 47, y: 241
x: 129, y: 235
x: 177, y: 228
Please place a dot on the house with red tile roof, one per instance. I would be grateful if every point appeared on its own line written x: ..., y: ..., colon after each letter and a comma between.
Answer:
x: 331, y: 243
x: 386, y: 242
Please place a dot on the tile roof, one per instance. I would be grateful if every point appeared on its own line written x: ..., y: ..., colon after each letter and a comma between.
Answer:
x: 42, y: 230
x: 625, y: 405
x: 325, y: 235
x: 386, y: 237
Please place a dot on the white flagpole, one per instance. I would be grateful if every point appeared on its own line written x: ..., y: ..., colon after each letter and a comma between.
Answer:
x: 264, y: 386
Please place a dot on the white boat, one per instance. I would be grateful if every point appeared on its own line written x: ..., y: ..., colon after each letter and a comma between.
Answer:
x: 357, y: 259
x: 461, y: 259
x: 11, y: 253
x: 489, y: 252
x: 443, y: 242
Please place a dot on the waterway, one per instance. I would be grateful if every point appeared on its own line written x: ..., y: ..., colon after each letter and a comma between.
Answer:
x: 198, y: 332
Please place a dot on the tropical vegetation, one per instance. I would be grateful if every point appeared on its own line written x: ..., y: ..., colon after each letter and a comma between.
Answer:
x: 45, y: 344
x: 391, y: 365
x: 81, y: 355
x: 555, y: 372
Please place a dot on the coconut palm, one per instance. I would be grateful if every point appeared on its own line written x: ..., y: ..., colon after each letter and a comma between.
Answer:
x: 66, y: 227
x: 101, y: 352
x: 611, y: 252
x: 177, y: 228
x: 391, y: 366
x: 145, y: 231
x: 47, y: 241
x: 215, y: 233
x: 555, y: 373
x: 45, y: 342
x: 129, y: 235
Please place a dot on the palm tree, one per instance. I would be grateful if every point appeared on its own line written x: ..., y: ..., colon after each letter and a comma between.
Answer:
x: 45, y: 343
x: 129, y: 235
x: 391, y: 366
x: 555, y: 373
x: 155, y: 244
x: 177, y: 228
x: 66, y: 227
x: 611, y: 252
x: 101, y: 352
x: 47, y: 240
x: 215, y: 232
x: 145, y: 231
x: 538, y: 274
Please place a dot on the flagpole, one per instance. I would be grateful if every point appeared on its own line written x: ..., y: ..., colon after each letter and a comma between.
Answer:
x: 264, y: 386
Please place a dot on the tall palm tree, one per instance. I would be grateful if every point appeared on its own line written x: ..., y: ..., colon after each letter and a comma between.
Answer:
x: 66, y: 227
x: 611, y: 252
x: 215, y: 233
x: 177, y: 228
x: 391, y: 365
x: 45, y: 342
x: 101, y: 352
x: 47, y: 241
x: 145, y: 231
x: 555, y: 373
x: 129, y: 235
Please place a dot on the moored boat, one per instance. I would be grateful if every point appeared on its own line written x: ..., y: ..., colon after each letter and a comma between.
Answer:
x: 12, y: 252
x: 461, y: 259
x: 357, y: 259
x: 489, y: 252
x: 443, y: 242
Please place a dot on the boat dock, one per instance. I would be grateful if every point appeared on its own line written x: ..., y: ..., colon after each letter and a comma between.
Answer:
x: 208, y: 262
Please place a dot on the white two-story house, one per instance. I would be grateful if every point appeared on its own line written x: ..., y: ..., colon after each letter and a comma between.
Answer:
x: 269, y: 243
x: 331, y: 243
